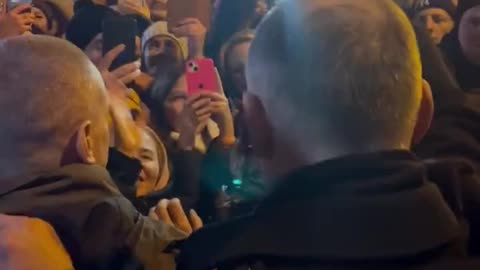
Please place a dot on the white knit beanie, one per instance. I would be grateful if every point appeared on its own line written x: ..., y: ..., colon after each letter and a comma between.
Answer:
x: 161, y: 29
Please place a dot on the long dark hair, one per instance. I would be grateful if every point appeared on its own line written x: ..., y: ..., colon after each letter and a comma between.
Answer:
x: 232, y: 16
x: 226, y: 72
x: 165, y: 79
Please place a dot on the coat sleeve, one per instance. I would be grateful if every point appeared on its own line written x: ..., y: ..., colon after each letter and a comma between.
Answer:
x: 144, y: 240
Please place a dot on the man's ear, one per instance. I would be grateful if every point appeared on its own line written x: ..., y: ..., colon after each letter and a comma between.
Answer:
x: 259, y: 128
x: 425, y: 114
x: 84, y: 143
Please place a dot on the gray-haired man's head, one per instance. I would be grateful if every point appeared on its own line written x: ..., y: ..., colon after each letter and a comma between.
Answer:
x: 333, y: 77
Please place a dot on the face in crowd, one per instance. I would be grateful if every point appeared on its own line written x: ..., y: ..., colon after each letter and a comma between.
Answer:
x: 150, y: 178
x: 160, y: 51
x: 41, y: 22
x: 236, y: 61
x: 436, y: 21
x: 469, y: 34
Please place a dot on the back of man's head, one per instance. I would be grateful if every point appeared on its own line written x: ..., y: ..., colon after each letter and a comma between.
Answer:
x: 337, y: 73
x: 48, y: 90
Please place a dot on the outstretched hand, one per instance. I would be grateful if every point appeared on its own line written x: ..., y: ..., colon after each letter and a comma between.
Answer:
x: 195, y: 32
x: 171, y: 212
x: 135, y: 7
x: 127, y: 135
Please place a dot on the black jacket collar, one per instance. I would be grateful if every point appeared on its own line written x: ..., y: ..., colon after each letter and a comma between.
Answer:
x: 373, y: 206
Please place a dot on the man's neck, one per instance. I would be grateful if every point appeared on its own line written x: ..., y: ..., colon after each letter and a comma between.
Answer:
x: 288, y: 159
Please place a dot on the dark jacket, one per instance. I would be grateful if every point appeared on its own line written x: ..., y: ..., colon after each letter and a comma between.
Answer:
x: 97, y: 225
x: 377, y: 210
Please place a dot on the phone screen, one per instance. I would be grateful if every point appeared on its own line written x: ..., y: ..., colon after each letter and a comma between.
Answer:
x: 119, y: 30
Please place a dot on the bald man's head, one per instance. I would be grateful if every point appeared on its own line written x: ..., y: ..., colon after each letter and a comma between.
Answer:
x: 337, y: 72
x: 49, y: 91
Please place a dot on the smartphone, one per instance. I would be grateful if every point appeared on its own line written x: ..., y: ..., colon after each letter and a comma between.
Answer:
x: 120, y: 30
x: 178, y: 10
x: 11, y: 4
x: 201, y: 75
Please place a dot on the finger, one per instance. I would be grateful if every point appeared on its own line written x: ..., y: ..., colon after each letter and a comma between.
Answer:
x: 188, y: 20
x: 184, y: 30
x: 214, y: 96
x: 203, y: 110
x: 109, y: 57
x: 219, y: 82
x: 218, y: 106
x: 162, y: 212
x: 20, y: 9
x: 194, y: 98
x: 178, y: 216
x: 200, y: 103
x: 125, y: 70
x: 131, y: 77
x: 152, y: 214
x: 204, y: 118
x: 195, y: 220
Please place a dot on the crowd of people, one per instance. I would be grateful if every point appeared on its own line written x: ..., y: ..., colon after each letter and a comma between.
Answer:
x: 341, y: 134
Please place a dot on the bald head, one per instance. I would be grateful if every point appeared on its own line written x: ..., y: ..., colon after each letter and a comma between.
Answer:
x: 341, y: 72
x: 48, y: 88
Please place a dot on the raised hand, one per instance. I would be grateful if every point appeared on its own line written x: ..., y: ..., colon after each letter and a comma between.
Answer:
x: 195, y: 32
x: 135, y: 7
x: 126, y: 132
x: 171, y: 212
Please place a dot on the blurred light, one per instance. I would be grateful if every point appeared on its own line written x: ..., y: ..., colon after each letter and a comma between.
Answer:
x: 237, y: 182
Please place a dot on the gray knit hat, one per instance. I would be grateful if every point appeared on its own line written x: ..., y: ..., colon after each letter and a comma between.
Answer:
x: 161, y: 29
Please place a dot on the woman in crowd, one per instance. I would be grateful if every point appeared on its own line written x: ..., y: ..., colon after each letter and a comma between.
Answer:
x: 436, y: 16
x: 462, y: 49
x: 197, y: 132
x: 153, y: 181
x: 247, y: 188
x: 234, y: 57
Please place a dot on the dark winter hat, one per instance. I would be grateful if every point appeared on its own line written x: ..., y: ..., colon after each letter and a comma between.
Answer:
x: 86, y: 24
x: 446, y: 5
x: 464, y: 5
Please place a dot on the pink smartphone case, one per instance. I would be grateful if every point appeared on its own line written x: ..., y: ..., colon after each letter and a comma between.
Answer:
x: 201, y: 76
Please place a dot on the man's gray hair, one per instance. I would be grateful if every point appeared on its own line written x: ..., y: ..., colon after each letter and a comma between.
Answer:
x: 345, y: 71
